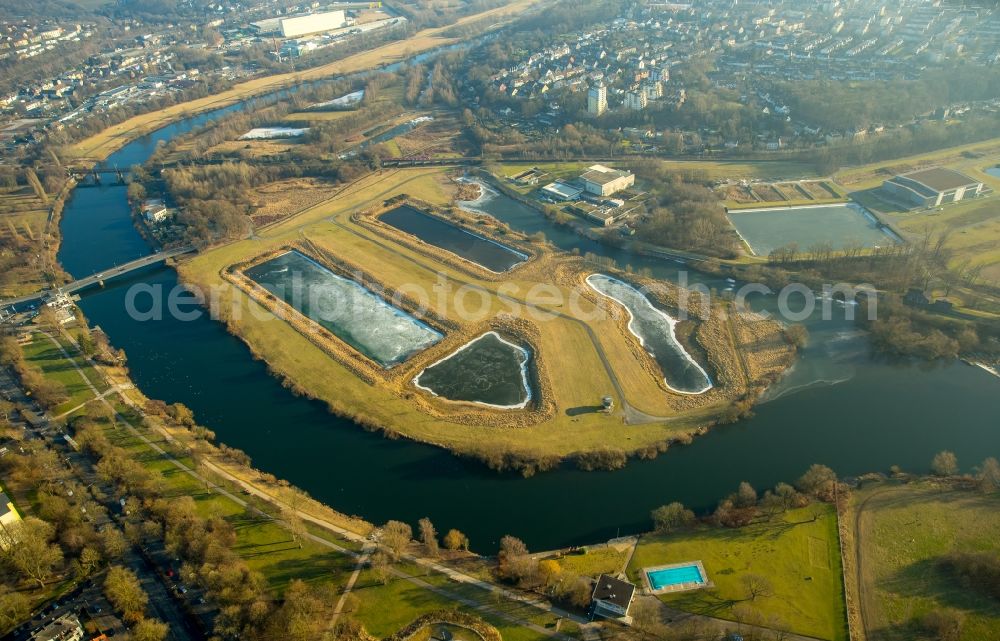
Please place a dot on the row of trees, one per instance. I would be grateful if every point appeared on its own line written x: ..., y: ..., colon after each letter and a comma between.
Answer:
x: 986, y: 476
x: 126, y: 595
x: 61, y: 539
x: 396, y: 537
x: 204, y: 545
x: 517, y: 566
x: 742, y: 507
x: 842, y: 105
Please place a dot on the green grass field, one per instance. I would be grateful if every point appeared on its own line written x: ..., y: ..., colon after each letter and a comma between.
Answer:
x: 602, y: 560
x: 43, y: 354
x: 798, y: 553
x: 904, y: 530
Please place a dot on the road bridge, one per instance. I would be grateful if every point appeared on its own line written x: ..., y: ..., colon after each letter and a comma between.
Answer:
x: 100, y: 277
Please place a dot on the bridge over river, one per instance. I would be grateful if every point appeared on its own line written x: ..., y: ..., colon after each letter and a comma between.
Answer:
x: 100, y: 277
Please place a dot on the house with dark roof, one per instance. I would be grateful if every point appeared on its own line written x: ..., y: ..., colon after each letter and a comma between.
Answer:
x: 612, y: 598
x: 932, y: 187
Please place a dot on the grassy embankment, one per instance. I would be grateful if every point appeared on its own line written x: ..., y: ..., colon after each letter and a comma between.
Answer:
x: 268, y: 547
x: 576, y: 388
x: 798, y: 553
x: 903, y: 531
x: 103, y: 144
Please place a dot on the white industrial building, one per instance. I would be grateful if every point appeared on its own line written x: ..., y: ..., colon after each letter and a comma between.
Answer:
x: 297, y: 26
x: 313, y: 23
x: 604, y: 181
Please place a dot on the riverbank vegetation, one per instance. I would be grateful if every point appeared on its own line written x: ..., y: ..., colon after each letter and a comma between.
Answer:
x: 772, y: 558
x: 961, y: 315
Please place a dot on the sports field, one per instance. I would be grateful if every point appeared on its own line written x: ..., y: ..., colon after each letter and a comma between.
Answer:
x: 836, y: 225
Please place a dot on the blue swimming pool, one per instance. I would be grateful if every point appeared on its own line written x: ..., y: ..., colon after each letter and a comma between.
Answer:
x: 669, y: 577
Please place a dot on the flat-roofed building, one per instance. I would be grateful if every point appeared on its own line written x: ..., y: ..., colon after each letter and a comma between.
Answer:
x: 313, y: 23
x: 932, y: 187
x: 561, y: 192
x: 65, y: 628
x: 267, y: 27
x: 604, y: 181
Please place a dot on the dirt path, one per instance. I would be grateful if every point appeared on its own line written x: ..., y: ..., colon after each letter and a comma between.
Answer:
x: 863, y: 576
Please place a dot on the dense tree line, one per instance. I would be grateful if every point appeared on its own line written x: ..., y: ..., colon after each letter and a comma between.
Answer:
x: 683, y: 213
x: 46, y: 391
x: 435, y: 13
x: 839, y: 105
x: 898, y: 329
x: 922, y: 137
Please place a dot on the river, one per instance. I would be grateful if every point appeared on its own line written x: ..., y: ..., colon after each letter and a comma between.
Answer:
x: 838, y: 406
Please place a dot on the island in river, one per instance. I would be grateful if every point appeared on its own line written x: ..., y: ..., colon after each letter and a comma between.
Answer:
x: 453, y: 279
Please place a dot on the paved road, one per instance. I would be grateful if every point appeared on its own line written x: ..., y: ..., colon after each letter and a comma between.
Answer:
x: 108, y: 274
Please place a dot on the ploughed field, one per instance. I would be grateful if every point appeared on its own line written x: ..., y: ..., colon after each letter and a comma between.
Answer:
x: 417, y: 330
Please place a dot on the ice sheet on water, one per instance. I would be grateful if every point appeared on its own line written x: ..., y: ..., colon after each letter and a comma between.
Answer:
x: 362, y: 319
x: 265, y: 133
x: 655, y: 330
